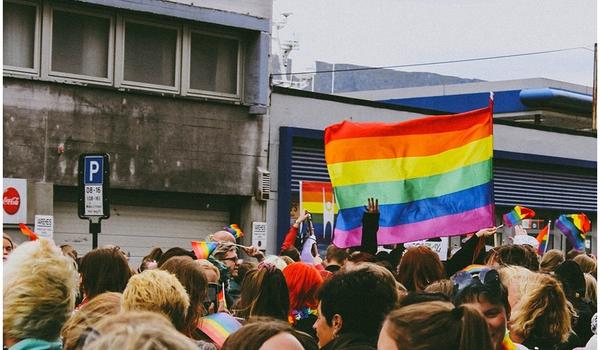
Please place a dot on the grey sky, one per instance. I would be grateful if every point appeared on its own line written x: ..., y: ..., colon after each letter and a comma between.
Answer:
x: 394, y: 32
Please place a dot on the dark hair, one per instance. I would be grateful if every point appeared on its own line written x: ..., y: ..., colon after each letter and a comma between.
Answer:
x: 360, y: 297
x: 243, y: 269
x: 358, y: 257
x: 495, y: 294
x: 422, y: 297
x: 336, y: 254
x: 419, y: 267
x: 571, y: 254
x: 517, y: 255
x: 264, y: 293
x: 191, y: 275
x: 571, y: 278
x: 292, y: 252
x: 154, y: 255
x: 104, y: 270
x: 255, y: 333
x: 175, y: 251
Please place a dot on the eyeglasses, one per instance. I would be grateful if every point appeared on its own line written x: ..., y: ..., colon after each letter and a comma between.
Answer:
x: 233, y: 260
x: 477, y: 276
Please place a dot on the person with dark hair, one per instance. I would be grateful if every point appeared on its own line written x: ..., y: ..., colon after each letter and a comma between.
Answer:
x: 419, y: 267
x: 150, y: 261
x: 264, y: 293
x: 175, y: 251
x: 335, y: 258
x: 571, y: 254
x: 480, y: 287
x: 352, y: 306
x: 422, y: 297
x: 103, y: 270
x: 514, y: 255
x: 571, y: 278
x: 291, y: 253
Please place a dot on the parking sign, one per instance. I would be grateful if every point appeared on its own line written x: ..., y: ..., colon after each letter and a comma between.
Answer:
x: 94, y: 185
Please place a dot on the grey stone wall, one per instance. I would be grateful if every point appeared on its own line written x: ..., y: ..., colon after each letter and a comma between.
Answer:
x: 155, y: 143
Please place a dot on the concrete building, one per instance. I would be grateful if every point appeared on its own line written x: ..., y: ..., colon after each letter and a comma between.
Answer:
x: 176, y: 92
x: 544, y: 158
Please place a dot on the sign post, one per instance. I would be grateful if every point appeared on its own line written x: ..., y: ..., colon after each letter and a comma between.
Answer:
x: 94, y: 186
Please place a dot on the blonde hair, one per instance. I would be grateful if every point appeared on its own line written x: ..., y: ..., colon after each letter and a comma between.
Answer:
x: 207, y: 265
x: 438, y: 325
x: 590, y: 289
x: 444, y: 286
x: 543, y: 310
x: 518, y: 277
x: 587, y: 264
x: 158, y: 291
x: 102, y: 305
x: 139, y: 330
x: 40, y: 287
x: 551, y: 259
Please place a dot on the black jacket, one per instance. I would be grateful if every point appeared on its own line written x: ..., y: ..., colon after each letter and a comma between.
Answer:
x: 351, y: 341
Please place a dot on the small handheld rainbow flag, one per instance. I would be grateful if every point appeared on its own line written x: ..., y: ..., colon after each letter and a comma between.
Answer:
x: 203, y: 249
x: 515, y: 216
x: 542, y: 238
x: 574, y: 227
x: 235, y: 230
x: 218, y: 327
x: 28, y: 232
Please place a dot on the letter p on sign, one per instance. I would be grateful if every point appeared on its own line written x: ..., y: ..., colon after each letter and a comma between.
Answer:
x: 93, y: 170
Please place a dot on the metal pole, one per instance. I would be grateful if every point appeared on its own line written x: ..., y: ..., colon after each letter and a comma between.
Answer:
x: 95, y: 229
x: 549, y: 228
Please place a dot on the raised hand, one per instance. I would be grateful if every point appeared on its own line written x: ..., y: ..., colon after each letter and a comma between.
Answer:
x: 372, y: 206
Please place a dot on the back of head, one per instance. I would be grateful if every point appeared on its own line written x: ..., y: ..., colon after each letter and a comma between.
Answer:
x: 587, y: 264
x: 102, y: 306
x: 516, y: 280
x: 158, y: 291
x: 138, y: 330
x: 69, y: 251
x: 191, y: 276
x: 292, y: 253
x: 569, y: 274
x: 419, y: 267
x: 438, y: 325
x: 104, y: 270
x: 516, y: 255
x: 361, y: 297
x: 221, y: 236
x: 210, y: 271
x: 303, y: 281
x: 445, y: 287
x: 571, y: 254
x: 590, y: 290
x: 551, y: 259
x: 173, y: 252
x: 255, y: 333
x: 336, y: 255
x: 40, y: 287
x: 543, y: 311
x: 264, y: 293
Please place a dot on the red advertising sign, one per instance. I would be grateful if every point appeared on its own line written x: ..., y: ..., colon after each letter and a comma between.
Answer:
x: 11, y: 200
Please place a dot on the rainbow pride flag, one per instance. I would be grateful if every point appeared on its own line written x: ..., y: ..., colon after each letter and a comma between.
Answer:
x: 235, y: 230
x: 542, y: 239
x: 432, y: 176
x: 317, y: 197
x: 203, y: 249
x: 515, y: 216
x: 219, y: 326
x: 28, y: 232
x: 574, y: 227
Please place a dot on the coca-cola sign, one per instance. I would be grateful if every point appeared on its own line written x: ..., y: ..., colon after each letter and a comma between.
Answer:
x: 14, y: 200
x: 11, y: 201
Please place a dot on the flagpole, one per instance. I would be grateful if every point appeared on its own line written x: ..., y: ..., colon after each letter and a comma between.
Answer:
x: 549, y: 227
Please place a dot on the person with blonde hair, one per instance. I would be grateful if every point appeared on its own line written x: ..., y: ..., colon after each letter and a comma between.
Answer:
x: 587, y: 264
x: 39, y: 291
x: 210, y: 270
x: 8, y: 245
x: 590, y: 296
x: 434, y: 325
x: 74, y: 331
x: 445, y: 287
x: 135, y: 330
x: 158, y: 291
x: 542, y: 317
x: 551, y: 259
x: 516, y: 279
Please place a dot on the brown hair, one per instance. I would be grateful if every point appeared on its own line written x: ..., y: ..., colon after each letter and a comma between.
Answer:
x: 543, y: 311
x: 89, y: 315
x: 104, y: 270
x: 445, y: 287
x: 587, y: 264
x: 255, y: 333
x: 191, y: 276
x: 419, y: 267
x: 516, y: 255
x: 69, y: 251
x: 264, y: 293
x: 336, y: 254
x: 551, y: 259
x: 438, y: 325
x: 590, y: 290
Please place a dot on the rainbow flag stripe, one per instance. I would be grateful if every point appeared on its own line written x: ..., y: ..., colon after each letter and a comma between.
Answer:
x: 574, y: 227
x: 235, y: 230
x: 203, y: 249
x: 542, y: 238
x: 432, y: 176
x: 314, y: 196
x: 219, y: 326
x: 515, y: 216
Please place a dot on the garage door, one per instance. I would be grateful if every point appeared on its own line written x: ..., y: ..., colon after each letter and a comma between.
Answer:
x: 137, y: 229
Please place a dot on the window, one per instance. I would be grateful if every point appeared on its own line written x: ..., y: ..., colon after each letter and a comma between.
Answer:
x: 150, y: 55
x: 213, y: 64
x: 80, y: 45
x: 21, y: 36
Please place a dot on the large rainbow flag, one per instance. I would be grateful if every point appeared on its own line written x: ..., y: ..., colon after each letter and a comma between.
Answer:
x: 432, y: 176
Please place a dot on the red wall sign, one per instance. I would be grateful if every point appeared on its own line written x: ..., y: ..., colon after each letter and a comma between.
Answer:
x: 11, y: 200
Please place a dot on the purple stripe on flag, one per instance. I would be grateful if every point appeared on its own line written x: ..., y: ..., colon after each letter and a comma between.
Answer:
x: 442, y: 226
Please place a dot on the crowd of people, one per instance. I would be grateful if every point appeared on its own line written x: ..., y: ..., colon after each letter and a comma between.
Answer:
x: 359, y: 298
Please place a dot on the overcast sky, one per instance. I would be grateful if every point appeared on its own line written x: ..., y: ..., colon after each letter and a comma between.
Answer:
x: 396, y: 32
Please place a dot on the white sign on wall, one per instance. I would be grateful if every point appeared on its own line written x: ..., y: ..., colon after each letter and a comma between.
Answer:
x: 440, y: 247
x: 14, y: 200
x: 44, y: 226
x: 259, y: 235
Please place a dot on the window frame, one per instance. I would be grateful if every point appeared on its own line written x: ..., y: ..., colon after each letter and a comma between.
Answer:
x: 48, y: 73
x: 120, y: 81
x: 22, y: 71
x: 186, y: 89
